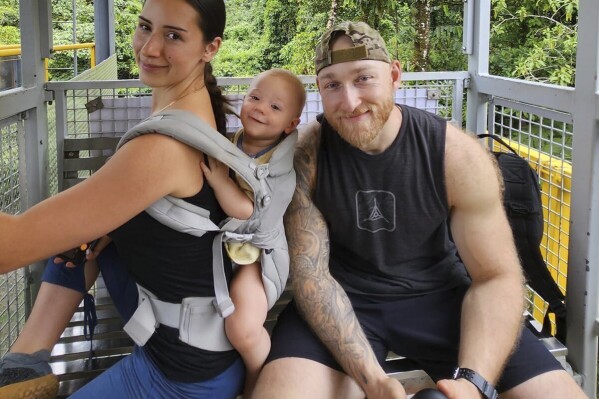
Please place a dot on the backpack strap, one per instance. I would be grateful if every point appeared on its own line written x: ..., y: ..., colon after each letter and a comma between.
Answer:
x: 523, y: 206
x: 499, y: 140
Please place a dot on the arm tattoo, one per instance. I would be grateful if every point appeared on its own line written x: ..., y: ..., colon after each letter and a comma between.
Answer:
x: 321, y: 300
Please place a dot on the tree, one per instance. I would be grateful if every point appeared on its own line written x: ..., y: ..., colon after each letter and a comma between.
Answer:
x: 243, y: 46
x: 279, y: 29
x: 9, y: 22
x: 423, y: 10
x: 372, y: 12
x: 535, y: 40
x: 125, y: 24
x: 61, y: 64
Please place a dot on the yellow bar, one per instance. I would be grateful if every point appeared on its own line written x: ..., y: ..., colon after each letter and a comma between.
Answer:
x: 92, y: 57
x: 15, y: 49
x: 46, y: 73
x: 10, y: 52
x: 78, y: 46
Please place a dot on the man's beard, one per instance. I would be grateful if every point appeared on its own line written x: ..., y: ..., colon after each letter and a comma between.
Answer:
x: 361, y: 134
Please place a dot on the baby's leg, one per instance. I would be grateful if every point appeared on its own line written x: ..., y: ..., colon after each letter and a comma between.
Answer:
x: 245, y: 327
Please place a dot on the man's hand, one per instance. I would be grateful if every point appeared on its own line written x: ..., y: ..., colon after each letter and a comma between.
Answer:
x: 458, y: 389
x: 388, y: 388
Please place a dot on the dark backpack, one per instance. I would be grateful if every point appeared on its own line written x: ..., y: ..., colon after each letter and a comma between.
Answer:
x: 522, y: 202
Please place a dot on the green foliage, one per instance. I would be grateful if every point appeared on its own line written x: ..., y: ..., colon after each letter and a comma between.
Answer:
x: 9, y: 35
x: 9, y: 22
x: 298, y: 54
x: 446, y: 38
x: 279, y: 29
x: 534, y: 40
x: 61, y: 65
x: 243, y: 46
x: 530, y: 39
x: 371, y: 12
x: 124, y: 26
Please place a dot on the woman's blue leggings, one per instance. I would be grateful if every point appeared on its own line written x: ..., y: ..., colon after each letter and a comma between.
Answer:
x: 136, y: 376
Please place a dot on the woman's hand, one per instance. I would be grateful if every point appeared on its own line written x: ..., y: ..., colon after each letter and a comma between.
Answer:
x: 90, y: 253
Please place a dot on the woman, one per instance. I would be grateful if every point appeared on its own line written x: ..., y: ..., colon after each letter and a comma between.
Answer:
x: 174, y: 42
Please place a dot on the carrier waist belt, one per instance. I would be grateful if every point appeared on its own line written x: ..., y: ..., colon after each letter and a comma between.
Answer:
x: 198, y: 322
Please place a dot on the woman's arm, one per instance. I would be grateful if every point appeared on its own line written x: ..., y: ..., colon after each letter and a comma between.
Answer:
x: 142, y: 171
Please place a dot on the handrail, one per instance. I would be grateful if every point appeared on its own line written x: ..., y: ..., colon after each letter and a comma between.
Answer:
x: 15, y: 49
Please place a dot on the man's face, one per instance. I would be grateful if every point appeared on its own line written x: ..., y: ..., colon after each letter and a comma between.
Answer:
x: 357, y: 96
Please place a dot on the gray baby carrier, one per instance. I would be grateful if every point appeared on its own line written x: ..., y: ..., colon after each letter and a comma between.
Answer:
x: 200, y: 320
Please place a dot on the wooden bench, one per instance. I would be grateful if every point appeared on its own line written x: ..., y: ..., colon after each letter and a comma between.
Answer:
x: 71, y: 359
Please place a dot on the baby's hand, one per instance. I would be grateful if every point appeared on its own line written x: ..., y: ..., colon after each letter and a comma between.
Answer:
x: 216, y: 172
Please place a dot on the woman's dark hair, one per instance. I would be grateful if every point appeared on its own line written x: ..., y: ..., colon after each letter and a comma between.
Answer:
x: 213, y: 17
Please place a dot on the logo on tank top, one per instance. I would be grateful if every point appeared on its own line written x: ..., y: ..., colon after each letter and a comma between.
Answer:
x: 375, y: 210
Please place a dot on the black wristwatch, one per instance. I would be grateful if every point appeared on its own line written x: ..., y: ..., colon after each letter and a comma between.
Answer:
x: 486, y: 388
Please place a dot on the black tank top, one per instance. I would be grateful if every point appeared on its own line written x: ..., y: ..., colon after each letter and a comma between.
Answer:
x: 175, y: 265
x: 387, y: 213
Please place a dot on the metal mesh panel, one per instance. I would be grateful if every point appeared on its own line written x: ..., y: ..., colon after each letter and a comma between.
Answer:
x: 52, y: 158
x: 12, y: 285
x: 120, y: 109
x: 79, y: 122
x: 544, y: 137
x: 432, y: 96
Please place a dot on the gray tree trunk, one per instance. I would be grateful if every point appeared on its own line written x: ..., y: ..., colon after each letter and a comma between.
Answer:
x: 422, y: 41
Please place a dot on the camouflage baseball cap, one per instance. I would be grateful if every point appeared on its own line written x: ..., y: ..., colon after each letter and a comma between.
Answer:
x: 368, y: 45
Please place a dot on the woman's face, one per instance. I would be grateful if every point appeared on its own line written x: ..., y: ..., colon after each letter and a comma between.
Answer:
x: 169, y: 45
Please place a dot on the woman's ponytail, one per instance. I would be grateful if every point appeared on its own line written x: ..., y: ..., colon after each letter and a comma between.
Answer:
x: 220, y: 105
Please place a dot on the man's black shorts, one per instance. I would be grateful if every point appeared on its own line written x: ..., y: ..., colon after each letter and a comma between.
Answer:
x: 424, y: 329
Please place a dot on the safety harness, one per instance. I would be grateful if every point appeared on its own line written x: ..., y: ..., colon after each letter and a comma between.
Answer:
x: 200, y: 320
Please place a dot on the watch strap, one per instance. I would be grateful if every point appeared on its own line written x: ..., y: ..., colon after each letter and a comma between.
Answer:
x: 484, y: 386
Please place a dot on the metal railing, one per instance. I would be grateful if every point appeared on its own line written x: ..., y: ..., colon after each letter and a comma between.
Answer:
x: 110, y: 108
x: 536, y: 118
x: 544, y: 137
x: 13, y: 50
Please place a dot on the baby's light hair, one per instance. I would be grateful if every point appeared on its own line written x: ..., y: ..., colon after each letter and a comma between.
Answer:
x: 291, y: 78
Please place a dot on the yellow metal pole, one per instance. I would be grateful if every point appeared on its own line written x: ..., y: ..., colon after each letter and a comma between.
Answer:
x: 10, y: 52
x: 93, y: 56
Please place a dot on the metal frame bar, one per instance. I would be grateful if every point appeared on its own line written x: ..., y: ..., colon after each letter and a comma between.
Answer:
x: 478, y: 64
x: 34, y: 111
x: 583, y: 262
x: 533, y: 109
x: 468, y: 27
x: 543, y: 95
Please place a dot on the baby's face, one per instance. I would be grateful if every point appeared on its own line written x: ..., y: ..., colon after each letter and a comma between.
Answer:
x: 269, y: 108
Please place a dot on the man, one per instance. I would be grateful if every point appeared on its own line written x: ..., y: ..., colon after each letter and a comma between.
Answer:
x: 373, y: 267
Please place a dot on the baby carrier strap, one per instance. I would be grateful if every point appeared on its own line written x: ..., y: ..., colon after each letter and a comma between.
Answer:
x: 273, y: 184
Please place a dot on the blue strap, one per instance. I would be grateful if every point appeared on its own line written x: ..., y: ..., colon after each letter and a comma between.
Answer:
x: 90, y: 320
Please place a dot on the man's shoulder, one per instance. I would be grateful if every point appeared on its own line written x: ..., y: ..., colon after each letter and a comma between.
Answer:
x: 309, y: 134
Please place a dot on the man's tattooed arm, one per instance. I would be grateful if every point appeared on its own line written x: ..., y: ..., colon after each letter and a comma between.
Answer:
x: 319, y: 297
